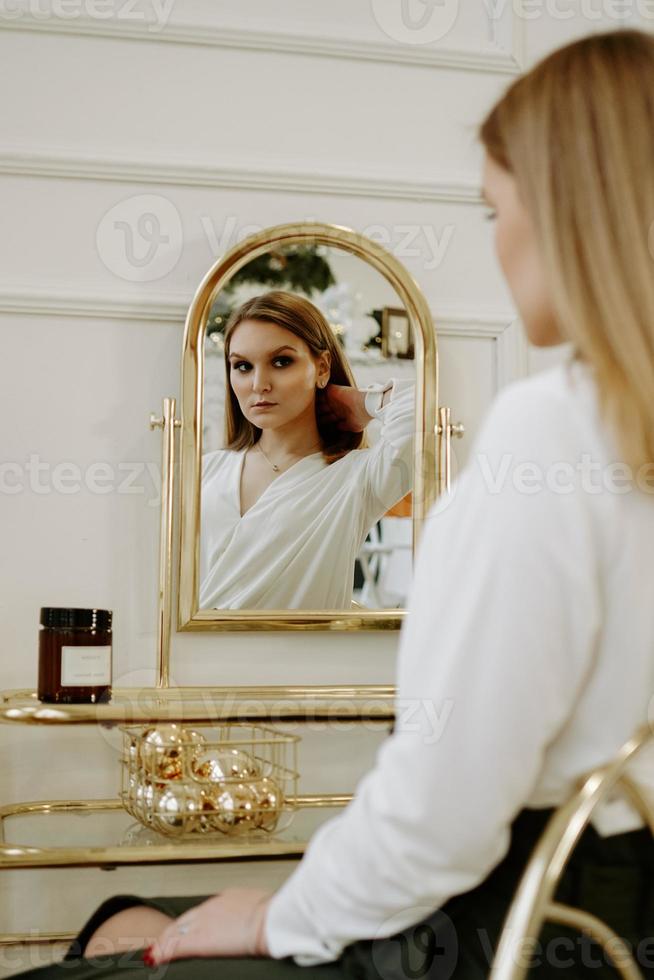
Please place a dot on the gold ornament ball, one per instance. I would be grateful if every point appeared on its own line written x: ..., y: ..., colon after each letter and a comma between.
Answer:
x: 230, y: 809
x: 194, y: 736
x: 217, y: 765
x: 162, y: 751
x: 174, y: 809
x: 269, y: 800
x: 142, y: 802
x: 133, y: 753
x: 170, y: 766
x: 162, y: 737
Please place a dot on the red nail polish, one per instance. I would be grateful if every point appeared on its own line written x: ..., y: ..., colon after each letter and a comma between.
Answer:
x: 148, y: 959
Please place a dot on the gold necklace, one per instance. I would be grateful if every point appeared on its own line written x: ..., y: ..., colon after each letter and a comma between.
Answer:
x: 275, y: 465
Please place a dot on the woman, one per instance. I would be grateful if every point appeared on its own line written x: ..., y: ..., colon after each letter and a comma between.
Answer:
x: 529, y: 653
x: 288, y: 503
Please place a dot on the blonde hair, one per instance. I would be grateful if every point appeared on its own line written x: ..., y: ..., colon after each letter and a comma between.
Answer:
x: 577, y: 133
x: 305, y: 320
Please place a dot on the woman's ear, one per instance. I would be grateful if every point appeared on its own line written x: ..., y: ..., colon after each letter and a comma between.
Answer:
x: 324, y: 368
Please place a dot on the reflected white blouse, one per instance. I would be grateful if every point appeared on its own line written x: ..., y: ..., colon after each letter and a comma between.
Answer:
x: 526, y: 660
x: 295, y: 548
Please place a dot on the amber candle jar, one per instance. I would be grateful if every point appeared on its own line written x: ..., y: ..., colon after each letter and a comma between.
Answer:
x: 75, y: 655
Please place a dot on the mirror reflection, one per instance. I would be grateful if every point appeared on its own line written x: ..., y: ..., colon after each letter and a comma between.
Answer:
x: 308, y: 424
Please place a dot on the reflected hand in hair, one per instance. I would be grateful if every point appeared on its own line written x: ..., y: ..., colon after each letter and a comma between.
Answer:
x: 343, y: 407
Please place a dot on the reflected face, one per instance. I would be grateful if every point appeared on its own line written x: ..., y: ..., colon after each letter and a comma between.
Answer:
x: 519, y: 255
x: 274, y: 374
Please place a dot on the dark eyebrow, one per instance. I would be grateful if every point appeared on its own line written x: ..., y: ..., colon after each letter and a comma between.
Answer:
x: 272, y: 353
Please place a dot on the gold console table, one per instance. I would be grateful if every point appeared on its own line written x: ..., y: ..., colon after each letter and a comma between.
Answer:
x: 105, y: 835
x: 219, y: 705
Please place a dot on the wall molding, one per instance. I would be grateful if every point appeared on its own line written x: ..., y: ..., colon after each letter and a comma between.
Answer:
x: 496, y: 60
x: 505, y: 329
x: 511, y: 351
x: 488, y: 325
x: 171, y: 307
x: 54, y: 164
x: 53, y: 300
x: 512, y: 358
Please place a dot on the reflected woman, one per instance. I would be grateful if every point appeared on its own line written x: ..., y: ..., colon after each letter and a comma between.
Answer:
x: 287, y: 504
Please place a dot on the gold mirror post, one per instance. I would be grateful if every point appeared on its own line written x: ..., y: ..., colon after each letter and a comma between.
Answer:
x: 445, y: 431
x: 167, y: 423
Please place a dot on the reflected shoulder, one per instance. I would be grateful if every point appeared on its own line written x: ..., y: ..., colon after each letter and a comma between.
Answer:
x: 218, y: 459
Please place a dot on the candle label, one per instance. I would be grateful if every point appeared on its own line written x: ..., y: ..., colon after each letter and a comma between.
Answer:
x: 85, y: 666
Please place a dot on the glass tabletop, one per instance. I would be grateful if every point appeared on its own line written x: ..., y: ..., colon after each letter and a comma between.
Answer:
x: 101, y: 833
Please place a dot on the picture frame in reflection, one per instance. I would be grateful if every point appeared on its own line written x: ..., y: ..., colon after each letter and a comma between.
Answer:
x: 396, y: 336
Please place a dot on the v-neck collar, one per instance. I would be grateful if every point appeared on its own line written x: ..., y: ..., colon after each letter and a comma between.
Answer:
x: 274, y: 482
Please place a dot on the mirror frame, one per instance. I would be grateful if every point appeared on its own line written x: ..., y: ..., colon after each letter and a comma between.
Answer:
x: 427, y: 465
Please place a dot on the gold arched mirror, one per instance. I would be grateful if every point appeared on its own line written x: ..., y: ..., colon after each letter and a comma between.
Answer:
x: 325, y: 541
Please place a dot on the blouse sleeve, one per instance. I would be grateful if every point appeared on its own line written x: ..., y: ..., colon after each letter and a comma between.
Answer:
x: 389, y: 464
x: 500, y: 637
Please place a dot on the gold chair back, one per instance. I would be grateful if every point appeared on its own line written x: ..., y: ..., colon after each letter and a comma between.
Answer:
x: 534, y: 903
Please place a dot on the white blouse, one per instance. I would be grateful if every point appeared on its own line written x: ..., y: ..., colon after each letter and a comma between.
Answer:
x: 295, y: 548
x: 527, y: 659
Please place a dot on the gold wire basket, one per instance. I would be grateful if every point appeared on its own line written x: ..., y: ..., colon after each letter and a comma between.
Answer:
x: 210, y: 780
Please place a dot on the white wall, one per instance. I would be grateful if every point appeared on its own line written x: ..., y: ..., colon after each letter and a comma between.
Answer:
x: 216, y: 116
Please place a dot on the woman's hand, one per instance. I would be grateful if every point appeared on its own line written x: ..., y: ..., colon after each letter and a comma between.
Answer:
x: 228, y: 924
x: 342, y: 406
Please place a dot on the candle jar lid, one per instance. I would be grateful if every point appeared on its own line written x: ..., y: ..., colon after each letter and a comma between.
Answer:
x: 63, y: 618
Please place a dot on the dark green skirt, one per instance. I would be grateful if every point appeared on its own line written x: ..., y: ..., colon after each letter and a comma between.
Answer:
x: 611, y: 877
